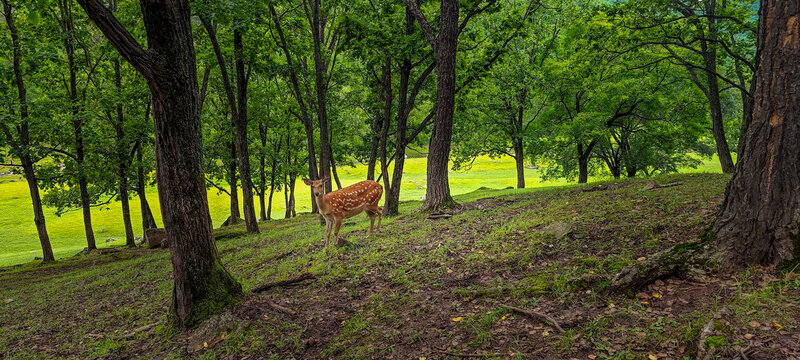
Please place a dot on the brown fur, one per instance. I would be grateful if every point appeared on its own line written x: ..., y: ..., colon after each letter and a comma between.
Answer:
x: 348, y: 202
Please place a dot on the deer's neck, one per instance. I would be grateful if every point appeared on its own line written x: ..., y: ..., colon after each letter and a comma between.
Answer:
x: 323, y: 208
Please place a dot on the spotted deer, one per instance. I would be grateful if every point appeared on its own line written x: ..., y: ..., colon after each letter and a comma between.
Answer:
x: 345, y: 203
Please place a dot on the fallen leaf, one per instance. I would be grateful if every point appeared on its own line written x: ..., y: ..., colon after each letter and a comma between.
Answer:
x: 657, y: 295
x: 611, y: 305
x: 205, y: 344
x: 480, y: 252
x: 504, y: 317
x: 641, y: 259
x: 652, y: 357
x: 266, y: 317
x: 754, y: 324
x: 776, y: 326
x: 8, y: 300
x: 457, y: 319
x: 645, y: 303
x: 749, y: 336
x: 592, y: 356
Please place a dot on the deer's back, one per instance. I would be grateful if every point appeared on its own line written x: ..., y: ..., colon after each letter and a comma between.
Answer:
x: 355, y: 198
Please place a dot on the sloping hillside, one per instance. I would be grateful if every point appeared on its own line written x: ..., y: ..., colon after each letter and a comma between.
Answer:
x: 427, y: 288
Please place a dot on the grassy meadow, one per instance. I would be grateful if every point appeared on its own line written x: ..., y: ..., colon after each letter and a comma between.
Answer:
x: 19, y: 242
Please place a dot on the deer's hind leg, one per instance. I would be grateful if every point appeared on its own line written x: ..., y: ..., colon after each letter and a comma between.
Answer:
x: 371, y: 220
x: 372, y: 211
x: 337, y: 224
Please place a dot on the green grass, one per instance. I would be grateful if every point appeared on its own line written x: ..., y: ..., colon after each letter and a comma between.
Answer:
x: 399, y: 292
x: 19, y: 241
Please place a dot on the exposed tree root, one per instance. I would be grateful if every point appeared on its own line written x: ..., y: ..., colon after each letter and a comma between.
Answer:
x: 282, y: 309
x: 301, y: 278
x: 439, y: 216
x: 536, y: 315
x: 654, y: 185
x: 673, y: 261
x: 702, y: 352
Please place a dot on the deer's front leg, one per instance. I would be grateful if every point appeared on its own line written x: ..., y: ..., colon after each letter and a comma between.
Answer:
x: 337, y: 224
x: 327, y: 231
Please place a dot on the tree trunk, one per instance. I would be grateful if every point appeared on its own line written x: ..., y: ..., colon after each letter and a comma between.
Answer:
x: 21, y: 146
x: 288, y: 213
x: 292, y: 203
x: 298, y: 95
x: 122, y: 162
x: 67, y: 33
x: 38, y: 213
x: 387, y: 118
x: 758, y: 223
x: 445, y: 47
x: 375, y: 130
x: 519, y: 158
x: 709, y: 52
x: 321, y: 90
x: 148, y: 222
x: 235, y: 216
x: 584, y: 155
x: 269, y: 207
x: 202, y: 285
x: 242, y: 149
x: 333, y: 166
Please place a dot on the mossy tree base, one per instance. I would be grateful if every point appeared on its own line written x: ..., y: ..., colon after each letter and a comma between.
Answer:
x: 218, y: 292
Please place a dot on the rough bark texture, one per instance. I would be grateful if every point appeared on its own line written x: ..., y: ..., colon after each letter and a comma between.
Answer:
x: 235, y: 216
x: 202, y: 285
x: 22, y: 143
x: 759, y: 219
x: 387, y: 118
x: 321, y: 89
x: 709, y: 52
x: 445, y: 46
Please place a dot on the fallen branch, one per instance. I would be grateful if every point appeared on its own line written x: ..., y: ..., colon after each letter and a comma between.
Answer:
x: 301, y: 278
x: 439, y: 216
x: 702, y: 353
x: 128, y: 334
x: 282, y: 309
x: 673, y: 261
x: 654, y: 185
x: 535, y: 315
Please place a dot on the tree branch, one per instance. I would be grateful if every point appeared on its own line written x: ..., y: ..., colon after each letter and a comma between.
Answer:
x: 423, y: 22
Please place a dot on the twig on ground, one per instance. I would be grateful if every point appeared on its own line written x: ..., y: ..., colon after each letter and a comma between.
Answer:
x: 282, y: 309
x: 301, y: 278
x: 535, y: 315
x: 439, y: 216
x: 702, y: 353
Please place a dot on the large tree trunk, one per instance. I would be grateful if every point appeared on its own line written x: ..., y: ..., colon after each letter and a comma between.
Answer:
x: 242, y: 149
x: 437, y: 196
x: 375, y: 129
x: 148, y: 221
x: 21, y: 145
x: 758, y: 223
x: 202, y: 285
x: 68, y: 33
x: 122, y: 162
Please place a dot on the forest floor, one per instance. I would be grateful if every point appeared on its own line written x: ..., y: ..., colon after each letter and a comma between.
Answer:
x: 433, y: 289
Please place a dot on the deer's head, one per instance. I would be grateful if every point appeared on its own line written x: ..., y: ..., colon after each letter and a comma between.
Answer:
x: 318, y: 186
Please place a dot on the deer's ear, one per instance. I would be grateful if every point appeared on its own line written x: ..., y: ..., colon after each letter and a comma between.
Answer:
x: 308, y: 182
x: 327, y: 177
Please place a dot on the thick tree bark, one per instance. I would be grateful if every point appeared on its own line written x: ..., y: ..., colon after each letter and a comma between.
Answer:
x: 758, y: 223
x: 242, y: 149
x: 202, y: 285
x: 67, y: 33
x: 445, y: 48
x: 20, y: 146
